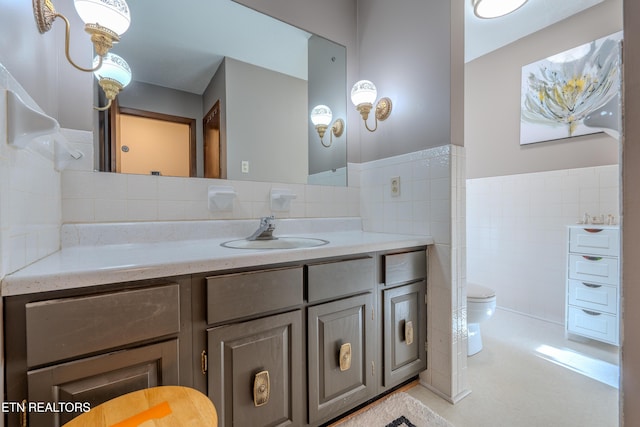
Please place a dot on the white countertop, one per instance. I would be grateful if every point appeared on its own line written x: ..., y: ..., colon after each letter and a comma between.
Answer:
x: 81, y: 266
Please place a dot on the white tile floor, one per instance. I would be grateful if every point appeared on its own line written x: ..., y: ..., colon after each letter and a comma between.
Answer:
x: 529, y: 375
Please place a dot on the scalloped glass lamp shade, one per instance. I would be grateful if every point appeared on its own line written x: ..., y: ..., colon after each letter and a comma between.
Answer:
x: 321, y: 115
x: 363, y: 92
x: 495, y: 8
x: 112, y: 14
x: 114, y: 68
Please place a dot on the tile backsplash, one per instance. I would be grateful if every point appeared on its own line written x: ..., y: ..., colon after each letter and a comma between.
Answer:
x: 30, y: 209
x: 89, y: 197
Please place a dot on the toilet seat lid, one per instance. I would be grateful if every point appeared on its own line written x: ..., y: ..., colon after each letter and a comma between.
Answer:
x: 475, y: 291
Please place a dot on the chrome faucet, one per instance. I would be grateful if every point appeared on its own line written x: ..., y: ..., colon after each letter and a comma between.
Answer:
x: 265, y: 230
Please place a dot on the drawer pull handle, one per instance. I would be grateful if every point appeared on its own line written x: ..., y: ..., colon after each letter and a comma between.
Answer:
x: 593, y: 230
x: 591, y: 285
x: 408, y: 332
x: 345, y: 356
x: 592, y: 258
x: 261, y: 389
x: 591, y: 313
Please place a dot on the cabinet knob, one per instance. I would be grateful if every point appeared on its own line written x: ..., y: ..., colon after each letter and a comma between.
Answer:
x: 345, y: 356
x: 261, y: 389
x: 408, y: 332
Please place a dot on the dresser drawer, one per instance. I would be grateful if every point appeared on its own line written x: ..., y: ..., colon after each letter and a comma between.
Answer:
x: 405, y: 267
x: 233, y: 296
x: 596, y: 241
x: 600, y: 326
x: 70, y: 327
x: 594, y: 269
x: 593, y: 296
x: 338, y: 278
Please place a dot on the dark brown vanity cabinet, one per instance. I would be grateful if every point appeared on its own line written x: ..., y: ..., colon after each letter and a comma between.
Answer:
x: 91, y: 347
x: 403, y: 305
x: 341, y: 337
x: 255, y: 361
x: 295, y: 344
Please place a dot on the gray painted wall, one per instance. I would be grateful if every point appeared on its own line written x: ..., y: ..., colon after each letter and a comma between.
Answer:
x: 492, y: 102
x: 276, y: 149
x: 405, y: 49
x: 630, y: 389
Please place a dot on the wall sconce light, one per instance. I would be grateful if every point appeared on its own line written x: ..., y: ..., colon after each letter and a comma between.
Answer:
x: 321, y: 117
x: 113, y: 16
x: 363, y: 95
x: 488, y: 9
x: 113, y: 76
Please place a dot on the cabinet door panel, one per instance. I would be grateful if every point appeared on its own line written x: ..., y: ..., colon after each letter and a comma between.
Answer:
x: 238, y: 352
x: 404, y: 332
x: 333, y: 388
x: 98, y: 379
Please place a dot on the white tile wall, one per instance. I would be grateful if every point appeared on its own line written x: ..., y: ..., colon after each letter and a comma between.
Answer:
x: 93, y: 197
x: 30, y: 211
x: 432, y: 202
x: 516, y: 228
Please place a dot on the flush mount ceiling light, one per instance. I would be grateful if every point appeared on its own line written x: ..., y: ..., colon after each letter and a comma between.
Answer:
x: 113, y: 76
x: 363, y: 95
x: 321, y: 117
x: 105, y: 21
x: 488, y: 9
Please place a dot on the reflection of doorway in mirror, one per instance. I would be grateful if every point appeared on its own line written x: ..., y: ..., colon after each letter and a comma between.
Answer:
x: 153, y: 144
x: 211, y: 123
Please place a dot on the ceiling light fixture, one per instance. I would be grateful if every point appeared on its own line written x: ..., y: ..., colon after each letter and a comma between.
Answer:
x: 321, y: 117
x: 105, y: 21
x: 488, y: 9
x: 363, y: 95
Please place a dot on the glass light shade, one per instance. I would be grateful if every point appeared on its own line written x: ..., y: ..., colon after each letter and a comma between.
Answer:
x: 113, y: 67
x: 112, y: 14
x: 363, y: 92
x: 321, y: 115
x: 495, y: 8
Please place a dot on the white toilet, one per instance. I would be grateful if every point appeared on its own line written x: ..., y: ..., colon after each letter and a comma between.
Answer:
x: 481, y: 303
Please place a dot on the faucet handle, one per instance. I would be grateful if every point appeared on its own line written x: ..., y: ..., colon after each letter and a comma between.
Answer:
x: 267, y: 220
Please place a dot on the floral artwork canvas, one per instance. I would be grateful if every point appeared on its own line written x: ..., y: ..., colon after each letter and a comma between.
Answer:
x: 569, y: 94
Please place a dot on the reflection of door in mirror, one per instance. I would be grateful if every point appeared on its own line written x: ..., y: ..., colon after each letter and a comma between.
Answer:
x: 211, y: 123
x: 156, y: 144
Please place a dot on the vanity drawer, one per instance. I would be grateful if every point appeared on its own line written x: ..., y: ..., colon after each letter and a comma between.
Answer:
x: 69, y: 327
x: 333, y: 279
x: 234, y: 296
x: 592, y: 324
x: 597, y: 241
x: 592, y: 269
x: 593, y: 296
x: 405, y: 267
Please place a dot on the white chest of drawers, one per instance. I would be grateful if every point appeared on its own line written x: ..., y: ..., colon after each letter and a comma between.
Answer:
x: 593, y: 282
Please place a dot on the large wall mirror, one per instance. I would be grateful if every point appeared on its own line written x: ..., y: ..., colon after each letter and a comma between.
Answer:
x: 220, y: 90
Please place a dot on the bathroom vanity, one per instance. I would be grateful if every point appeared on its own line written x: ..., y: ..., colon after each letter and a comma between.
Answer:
x: 274, y: 337
x: 593, y: 282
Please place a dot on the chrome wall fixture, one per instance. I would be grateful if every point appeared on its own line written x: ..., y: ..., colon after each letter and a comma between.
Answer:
x: 321, y: 117
x: 363, y: 95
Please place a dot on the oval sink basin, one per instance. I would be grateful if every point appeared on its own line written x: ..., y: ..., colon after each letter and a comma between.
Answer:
x: 278, y: 243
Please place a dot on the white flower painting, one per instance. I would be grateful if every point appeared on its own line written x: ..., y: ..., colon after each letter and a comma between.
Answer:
x: 559, y: 92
